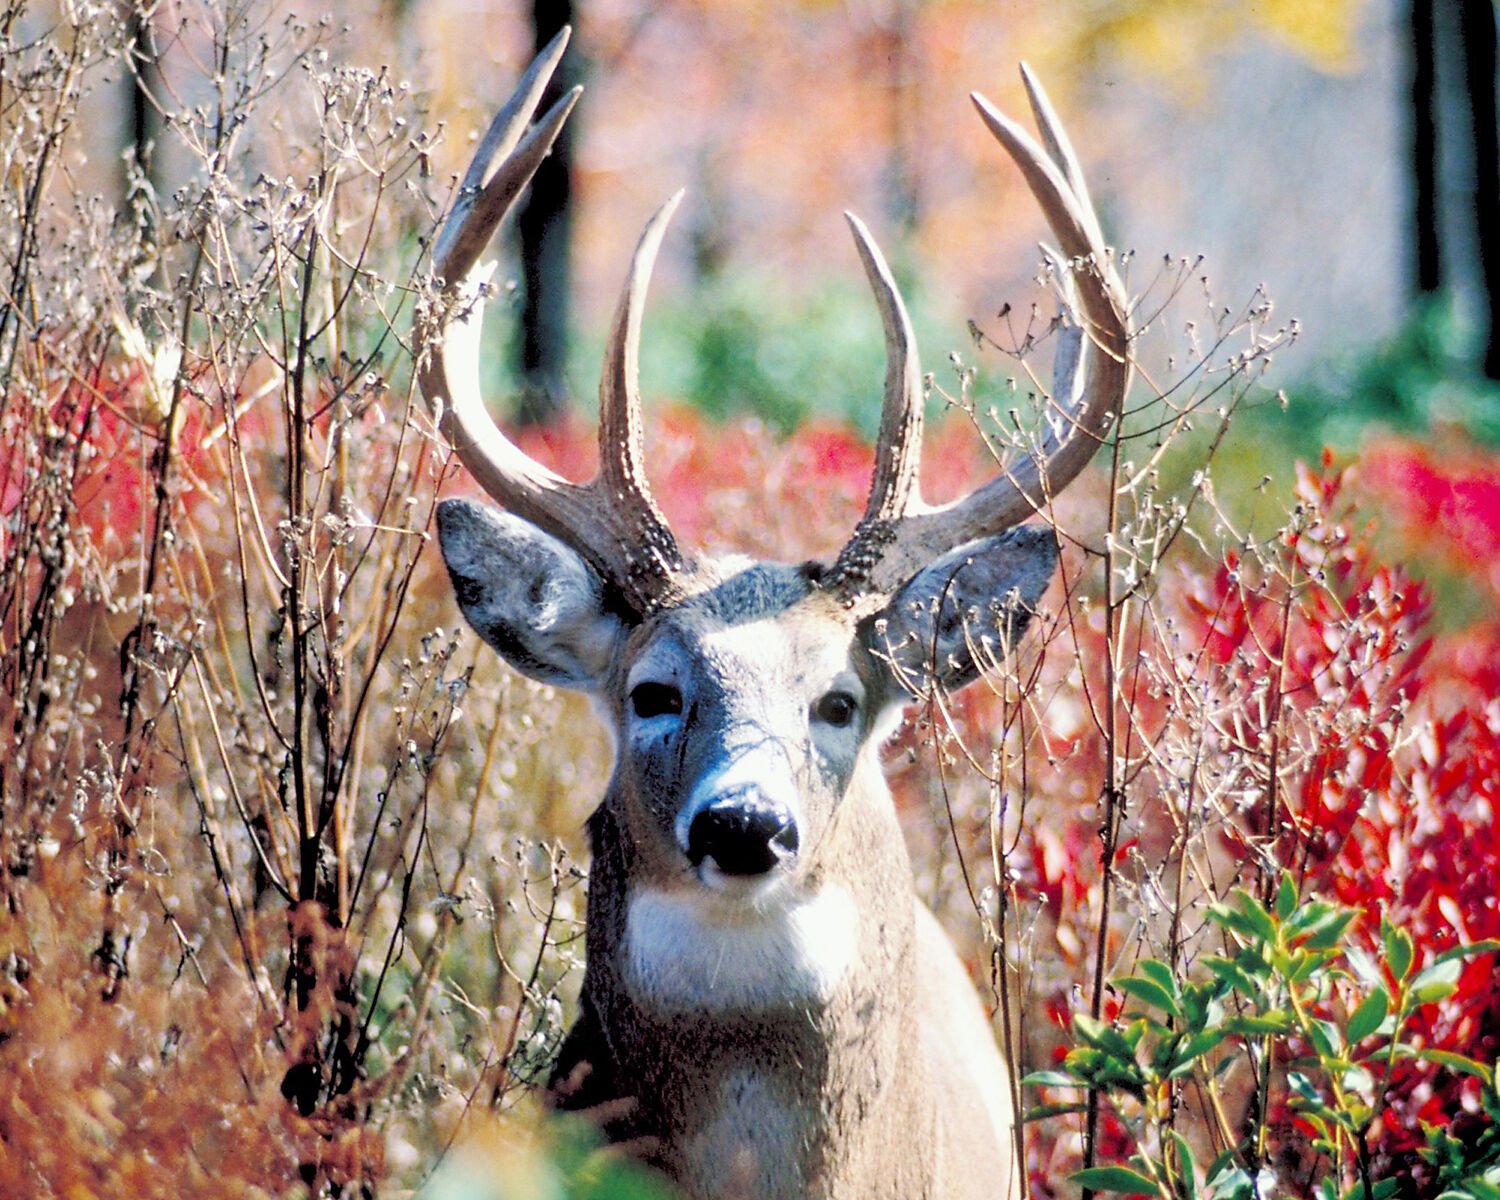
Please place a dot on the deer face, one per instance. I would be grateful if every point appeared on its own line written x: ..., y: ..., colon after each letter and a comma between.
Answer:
x: 741, y: 716
x: 743, y: 712
x: 747, y: 802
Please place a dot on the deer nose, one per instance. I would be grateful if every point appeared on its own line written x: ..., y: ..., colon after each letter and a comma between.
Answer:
x: 745, y: 833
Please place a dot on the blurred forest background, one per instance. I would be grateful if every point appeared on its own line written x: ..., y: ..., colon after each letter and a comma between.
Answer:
x: 1340, y: 152
x: 290, y: 894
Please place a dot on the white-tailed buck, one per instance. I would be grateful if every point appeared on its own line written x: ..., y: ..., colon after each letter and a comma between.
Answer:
x: 785, y: 1015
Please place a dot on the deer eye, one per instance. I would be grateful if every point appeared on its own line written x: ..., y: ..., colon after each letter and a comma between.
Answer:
x: 836, y: 709
x: 649, y: 700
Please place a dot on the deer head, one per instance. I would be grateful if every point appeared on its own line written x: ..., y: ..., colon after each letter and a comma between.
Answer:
x: 749, y: 883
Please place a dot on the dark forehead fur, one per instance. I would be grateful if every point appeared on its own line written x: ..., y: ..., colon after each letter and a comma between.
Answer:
x: 752, y: 592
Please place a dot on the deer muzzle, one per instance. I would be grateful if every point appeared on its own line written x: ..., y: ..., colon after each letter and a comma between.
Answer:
x: 744, y: 832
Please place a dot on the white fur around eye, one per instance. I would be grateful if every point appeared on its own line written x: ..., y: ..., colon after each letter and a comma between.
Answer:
x: 838, y: 744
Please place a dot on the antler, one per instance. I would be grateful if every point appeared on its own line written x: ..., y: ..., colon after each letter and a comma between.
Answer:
x: 612, y: 520
x: 899, y: 533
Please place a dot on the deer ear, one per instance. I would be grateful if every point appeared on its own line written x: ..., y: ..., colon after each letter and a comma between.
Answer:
x: 537, y: 602
x: 963, y: 611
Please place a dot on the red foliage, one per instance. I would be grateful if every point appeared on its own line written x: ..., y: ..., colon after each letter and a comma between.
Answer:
x: 1377, y: 743
x: 1393, y: 810
x: 738, y: 486
x: 1448, y: 497
x: 1422, y: 847
x: 106, y: 439
x: 1367, y: 749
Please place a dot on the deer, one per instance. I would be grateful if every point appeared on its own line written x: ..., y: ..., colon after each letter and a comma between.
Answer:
x: 767, y: 1006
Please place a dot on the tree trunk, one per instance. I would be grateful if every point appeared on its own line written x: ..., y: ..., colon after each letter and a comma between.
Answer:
x: 140, y: 182
x: 1478, y: 25
x: 1427, y: 263
x: 545, y: 228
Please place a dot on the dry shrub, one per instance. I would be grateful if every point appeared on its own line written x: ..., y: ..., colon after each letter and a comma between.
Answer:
x: 275, y: 918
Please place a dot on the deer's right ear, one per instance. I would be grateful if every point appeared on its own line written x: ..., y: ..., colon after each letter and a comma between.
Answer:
x: 537, y: 602
x: 964, y: 611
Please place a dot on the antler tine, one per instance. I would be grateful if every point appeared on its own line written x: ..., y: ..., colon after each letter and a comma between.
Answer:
x: 610, y: 521
x: 898, y: 454
x: 895, y: 484
x: 1060, y: 151
x: 503, y: 164
x: 622, y: 474
x: 1089, y: 401
x: 1072, y: 441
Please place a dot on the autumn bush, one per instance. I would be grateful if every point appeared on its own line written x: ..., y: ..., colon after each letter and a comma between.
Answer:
x: 288, y: 864
x: 236, y: 956
x: 1331, y: 743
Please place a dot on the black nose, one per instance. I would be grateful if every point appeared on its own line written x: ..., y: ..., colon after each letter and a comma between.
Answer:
x: 744, y: 833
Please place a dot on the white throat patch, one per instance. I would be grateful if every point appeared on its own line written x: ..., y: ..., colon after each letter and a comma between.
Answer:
x: 689, y: 952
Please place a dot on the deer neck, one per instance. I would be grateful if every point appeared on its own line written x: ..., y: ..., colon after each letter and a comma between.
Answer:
x: 770, y: 1037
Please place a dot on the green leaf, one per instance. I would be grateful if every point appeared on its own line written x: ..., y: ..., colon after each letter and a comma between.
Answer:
x: 1103, y: 1036
x: 1470, y: 950
x: 1358, y: 1079
x: 1308, y: 961
x: 1366, y: 1019
x: 1461, y: 1063
x: 1196, y: 1045
x: 1316, y: 1115
x: 1101, y: 1069
x: 1043, y: 1112
x: 1227, y: 1180
x: 614, y: 1179
x: 1233, y: 974
x: 1303, y: 1087
x: 1203, y: 1003
x: 1115, y: 1179
x: 1051, y: 1079
x: 581, y: 1169
x: 1246, y: 918
x: 1255, y: 913
x: 1311, y: 916
x: 1187, y: 1169
x: 1159, y: 973
x: 1328, y: 932
x: 1084, y: 1062
x: 1148, y: 991
x: 1399, y: 950
x: 1325, y: 1037
x: 1286, y: 897
x: 1378, y: 1190
x: 1254, y: 1024
x: 1366, y: 969
x: 1230, y: 919
x: 1437, y: 982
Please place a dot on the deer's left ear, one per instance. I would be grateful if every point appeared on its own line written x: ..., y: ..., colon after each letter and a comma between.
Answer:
x: 964, y: 610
